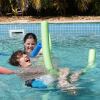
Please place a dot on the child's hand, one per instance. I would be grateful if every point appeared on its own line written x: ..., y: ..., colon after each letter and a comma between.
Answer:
x: 75, y: 76
x: 63, y: 73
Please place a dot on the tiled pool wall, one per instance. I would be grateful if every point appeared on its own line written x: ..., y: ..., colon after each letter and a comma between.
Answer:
x: 56, y: 29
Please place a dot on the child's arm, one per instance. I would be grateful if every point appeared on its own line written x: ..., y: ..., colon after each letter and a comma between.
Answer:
x: 6, y: 71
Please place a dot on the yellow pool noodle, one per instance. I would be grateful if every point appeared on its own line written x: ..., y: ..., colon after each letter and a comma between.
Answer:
x: 91, y: 60
x: 46, y: 47
x: 91, y: 57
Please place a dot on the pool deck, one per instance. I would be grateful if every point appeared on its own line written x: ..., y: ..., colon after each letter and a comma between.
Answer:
x: 30, y: 19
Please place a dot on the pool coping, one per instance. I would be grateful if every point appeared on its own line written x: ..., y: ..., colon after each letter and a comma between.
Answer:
x: 60, y: 19
x: 73, y: 21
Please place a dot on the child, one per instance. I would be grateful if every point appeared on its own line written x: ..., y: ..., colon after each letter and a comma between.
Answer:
x: 39, y: 74
x: 30, y: 41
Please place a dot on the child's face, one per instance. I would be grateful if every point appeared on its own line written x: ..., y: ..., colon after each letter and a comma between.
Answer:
x: 24, y: 61
x: 29, y: 45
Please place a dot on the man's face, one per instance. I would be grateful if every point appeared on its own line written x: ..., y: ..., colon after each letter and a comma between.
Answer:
x: 24, y: 61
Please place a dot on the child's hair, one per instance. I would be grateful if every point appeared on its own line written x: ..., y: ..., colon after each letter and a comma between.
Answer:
x: 29, y: 36
x: 13, y: 60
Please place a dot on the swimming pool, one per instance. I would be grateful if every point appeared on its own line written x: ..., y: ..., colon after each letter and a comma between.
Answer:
x: 70, y: 45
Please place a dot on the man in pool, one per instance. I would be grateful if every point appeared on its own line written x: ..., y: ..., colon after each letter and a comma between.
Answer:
x: 38, y: 77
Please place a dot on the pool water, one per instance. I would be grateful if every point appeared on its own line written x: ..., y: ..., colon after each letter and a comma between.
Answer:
x: 70, y: 46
